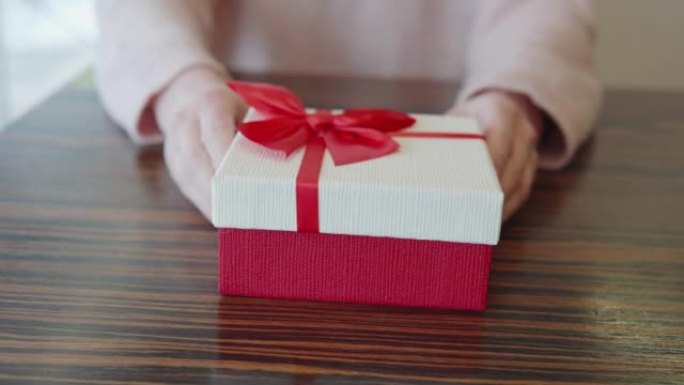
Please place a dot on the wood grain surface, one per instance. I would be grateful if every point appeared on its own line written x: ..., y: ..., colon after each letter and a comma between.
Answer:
x: 108, y: 275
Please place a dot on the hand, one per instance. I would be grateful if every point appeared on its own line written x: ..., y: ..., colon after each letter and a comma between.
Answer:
x: 197, y: 114
x: 512, y: 125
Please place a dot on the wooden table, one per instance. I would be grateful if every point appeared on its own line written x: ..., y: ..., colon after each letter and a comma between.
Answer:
x: 108, y: 275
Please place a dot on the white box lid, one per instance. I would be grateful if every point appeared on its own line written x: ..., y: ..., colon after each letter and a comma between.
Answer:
x: 441, y: 189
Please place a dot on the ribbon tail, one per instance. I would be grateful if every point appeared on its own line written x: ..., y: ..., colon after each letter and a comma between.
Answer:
x: 307, y: 186
x: 377, y: 119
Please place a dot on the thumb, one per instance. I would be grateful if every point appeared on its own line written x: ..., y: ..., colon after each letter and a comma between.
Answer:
x: 218, y: 116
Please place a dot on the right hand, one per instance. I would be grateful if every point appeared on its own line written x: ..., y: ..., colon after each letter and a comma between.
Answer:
x: 512, y: 125
x: 198, y: 114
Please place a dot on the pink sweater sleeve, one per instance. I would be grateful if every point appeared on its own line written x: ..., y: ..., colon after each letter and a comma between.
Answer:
x: 143, y: 45
x: 543, y: 49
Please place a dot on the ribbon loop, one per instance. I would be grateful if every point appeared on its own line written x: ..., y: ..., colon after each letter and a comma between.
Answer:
x: 355, y: 135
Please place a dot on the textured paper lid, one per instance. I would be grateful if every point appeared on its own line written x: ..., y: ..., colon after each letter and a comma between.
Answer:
x: 431, y: 189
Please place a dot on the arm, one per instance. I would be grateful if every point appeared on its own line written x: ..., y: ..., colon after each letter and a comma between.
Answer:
x: 144, y: 45
x: 156, y: 75
x: 543, y: 50
x: 531, y: 84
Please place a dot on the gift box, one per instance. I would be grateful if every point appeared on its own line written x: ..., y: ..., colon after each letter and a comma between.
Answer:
x: 346, y: 207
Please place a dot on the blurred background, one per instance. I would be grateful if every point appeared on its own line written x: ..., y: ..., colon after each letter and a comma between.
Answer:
x: 46, y: 43
x: 43, y: 45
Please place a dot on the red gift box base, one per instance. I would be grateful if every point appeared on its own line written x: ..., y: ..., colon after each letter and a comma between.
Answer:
x: 353, y: 269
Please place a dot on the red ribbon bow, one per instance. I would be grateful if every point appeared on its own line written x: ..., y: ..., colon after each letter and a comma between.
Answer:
x: 355, y: 135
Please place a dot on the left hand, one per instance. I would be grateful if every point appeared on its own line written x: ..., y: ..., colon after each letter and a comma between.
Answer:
x: 512, y: 125
x: 197, y: 114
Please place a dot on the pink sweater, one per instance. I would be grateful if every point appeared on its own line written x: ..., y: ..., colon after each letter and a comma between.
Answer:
x: 541, y: 48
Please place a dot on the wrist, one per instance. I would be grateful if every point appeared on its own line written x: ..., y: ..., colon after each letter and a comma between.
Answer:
x: 534, y: 115
x: 524, y: 104
x: 184, y: 90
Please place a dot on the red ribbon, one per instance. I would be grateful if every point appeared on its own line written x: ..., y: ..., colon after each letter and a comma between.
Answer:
x: 354, y: 135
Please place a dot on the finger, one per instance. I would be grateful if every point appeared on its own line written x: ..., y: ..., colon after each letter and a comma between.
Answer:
x: 514, y: 168
x: 195, y: 169
x: 175, y: 162
x: 500, y: 147
x: 217, y: 128
x: 496, y: 125
x: 518, y: 197
x: 240, y: 108
x: 498, y: 136
x: 495, y: 121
